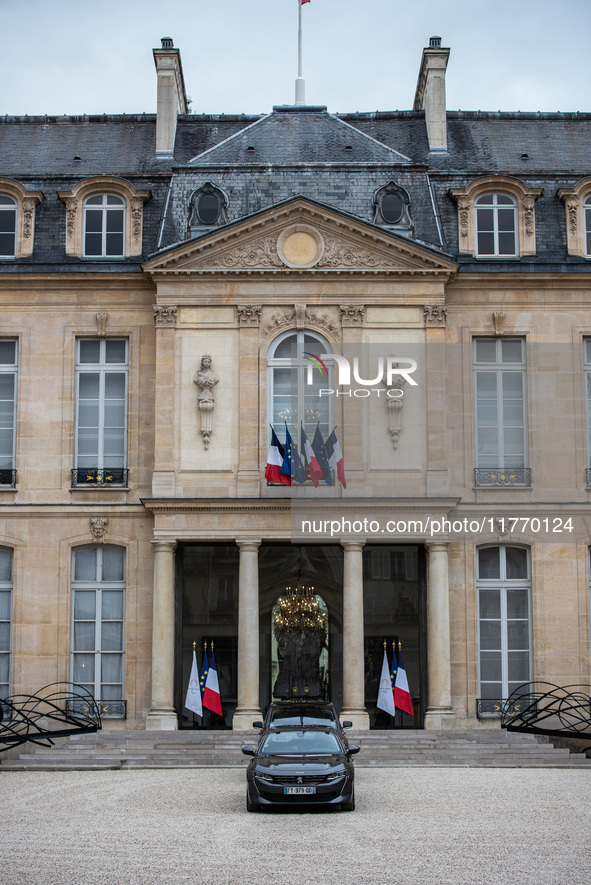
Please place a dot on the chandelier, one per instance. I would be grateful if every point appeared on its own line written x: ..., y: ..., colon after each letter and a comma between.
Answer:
x: 299, y: 613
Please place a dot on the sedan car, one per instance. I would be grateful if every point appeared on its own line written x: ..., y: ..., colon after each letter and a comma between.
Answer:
x: 302, y: 714
x: 300, y: 767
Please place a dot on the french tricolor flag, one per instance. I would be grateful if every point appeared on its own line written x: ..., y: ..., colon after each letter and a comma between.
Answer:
x: 401, y: 691
x: 275, y: 462
x: 335, y: 457
x: 211, y: 694
x: 311, y: 460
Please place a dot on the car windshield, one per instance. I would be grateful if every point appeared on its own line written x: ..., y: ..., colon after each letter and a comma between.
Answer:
x: 288, y: 717
x: 297, y: 743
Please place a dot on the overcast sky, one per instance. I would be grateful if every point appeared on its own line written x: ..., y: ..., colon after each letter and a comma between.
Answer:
x: 95, y: 56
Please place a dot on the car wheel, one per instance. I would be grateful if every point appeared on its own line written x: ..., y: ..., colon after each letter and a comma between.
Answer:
x: 250, y: 806
x: 350, y: 805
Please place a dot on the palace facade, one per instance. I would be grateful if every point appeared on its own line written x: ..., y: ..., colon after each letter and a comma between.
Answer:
x: 168, y: 284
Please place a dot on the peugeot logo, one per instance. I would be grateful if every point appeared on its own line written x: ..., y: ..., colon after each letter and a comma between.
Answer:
x: 300, y: 780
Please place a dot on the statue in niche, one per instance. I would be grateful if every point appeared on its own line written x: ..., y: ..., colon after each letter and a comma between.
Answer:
x: 206, y: 379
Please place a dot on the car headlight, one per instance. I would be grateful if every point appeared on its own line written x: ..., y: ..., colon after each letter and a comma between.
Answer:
x: 264, y: 777
x: 334, y: 775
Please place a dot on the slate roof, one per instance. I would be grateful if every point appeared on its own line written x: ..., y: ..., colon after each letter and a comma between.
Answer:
x: 340, y: 160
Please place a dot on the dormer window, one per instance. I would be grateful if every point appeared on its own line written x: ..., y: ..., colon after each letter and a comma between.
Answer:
x: 104, y: 226
x: 207, y: 208
x: 496, y: 225
x: 7, y: 226
x: 392, y: 207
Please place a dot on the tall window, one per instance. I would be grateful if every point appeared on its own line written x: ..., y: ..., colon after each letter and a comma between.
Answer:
x: 500, y: 409
x: 98, y: 618
x: 104, y: 226
x: 101, y: 411
x: 292, y: 401
x: 7, y: 226
x: 5, y: 619
x: 587, y: 372
x: 587, y: 208
x: 496, y: 225
x: 8, y: 367
x: 504, y: 620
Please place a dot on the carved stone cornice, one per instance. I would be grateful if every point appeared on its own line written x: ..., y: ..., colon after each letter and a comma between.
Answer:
x: 341, y: 253
x: 164, y: 316
x: 258, y: 253
x: 352, y: 314
x: 435, y: 315
x: 249, y: 314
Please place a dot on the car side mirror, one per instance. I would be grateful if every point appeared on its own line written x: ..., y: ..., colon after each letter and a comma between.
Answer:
x: 248, y: 751
x: 352, y: 749
x: 347, y: 724
x: 257, y: 725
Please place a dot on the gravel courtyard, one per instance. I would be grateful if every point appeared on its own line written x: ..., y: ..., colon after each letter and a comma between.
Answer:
x: 413, y: 825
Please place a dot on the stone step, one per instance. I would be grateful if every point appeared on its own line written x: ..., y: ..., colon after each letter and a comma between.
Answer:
x: 392, y: 749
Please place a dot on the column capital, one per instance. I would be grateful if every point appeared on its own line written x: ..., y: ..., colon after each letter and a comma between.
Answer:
x: 352, y: 545
x: 246, y: 543
x: 163, y: 543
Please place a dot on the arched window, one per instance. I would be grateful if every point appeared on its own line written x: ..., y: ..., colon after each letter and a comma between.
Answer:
x: 8, y: 207
x: 104, y: 226
x: 496, y: 225
x: 587, y: 208
x: 98, y: 623
x: 295, y: 384
x: 504, y: 621
x: 207, y: 208
x: 5, y: 619
x: 392, y: 206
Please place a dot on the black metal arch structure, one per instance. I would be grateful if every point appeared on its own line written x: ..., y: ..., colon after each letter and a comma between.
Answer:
x: 57, y: 710
x: 544, y: 708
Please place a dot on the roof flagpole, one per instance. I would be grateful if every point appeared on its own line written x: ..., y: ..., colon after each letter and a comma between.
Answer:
x: 300, y: 83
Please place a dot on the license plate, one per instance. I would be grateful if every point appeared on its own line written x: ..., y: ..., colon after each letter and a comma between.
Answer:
x: 299, y: 791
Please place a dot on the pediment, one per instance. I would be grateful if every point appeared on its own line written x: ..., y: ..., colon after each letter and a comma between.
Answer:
x: 299, y: 237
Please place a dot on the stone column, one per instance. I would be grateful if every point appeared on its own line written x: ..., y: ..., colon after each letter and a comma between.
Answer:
x: 439, y: 710
x: 162, y: 715
x: 248, y: 708
x: 248, y: 477
x: 353, y: 644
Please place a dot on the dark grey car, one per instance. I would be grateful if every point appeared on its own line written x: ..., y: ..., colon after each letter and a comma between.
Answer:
x: 307, y: 767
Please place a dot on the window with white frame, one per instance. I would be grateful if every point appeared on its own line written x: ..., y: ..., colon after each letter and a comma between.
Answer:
x: 101, y: 412
x: 104, y: 226
x: 293, y: 402
x: 5, y: 619
x: 8, y: 208
x: 500, y: 409
x: 496, y: 225
x: 8, y: 378
x: 504, y: 621
x: 98, y: 621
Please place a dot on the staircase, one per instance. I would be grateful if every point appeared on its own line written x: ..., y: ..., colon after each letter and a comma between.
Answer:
x: 467, y: 748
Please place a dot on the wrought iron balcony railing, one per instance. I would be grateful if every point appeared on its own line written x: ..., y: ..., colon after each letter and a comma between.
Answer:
x: 486, y: 708
x: 107, y: 709
x: 99, y: 477
x: 8, y: 478
x: 502, y: 476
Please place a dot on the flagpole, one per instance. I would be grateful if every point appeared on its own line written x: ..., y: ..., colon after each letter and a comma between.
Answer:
x: 300, y: 83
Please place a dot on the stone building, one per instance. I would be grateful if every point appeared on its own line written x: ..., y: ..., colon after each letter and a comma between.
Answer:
x: 168, y: 283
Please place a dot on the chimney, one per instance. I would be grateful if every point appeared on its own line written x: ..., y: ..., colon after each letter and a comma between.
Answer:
x: 430, y: 94
x: 171, y: 96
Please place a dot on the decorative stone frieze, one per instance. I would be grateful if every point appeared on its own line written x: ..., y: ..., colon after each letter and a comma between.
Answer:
x: 341, y: 253
x: 98, y: 528
x: 302, y: 317
x: 249, y: 314
x: 352, y: 314
x: 259, y: 253
x: 206, y: 379
x: 435, y: 315
x: 164, y: 316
